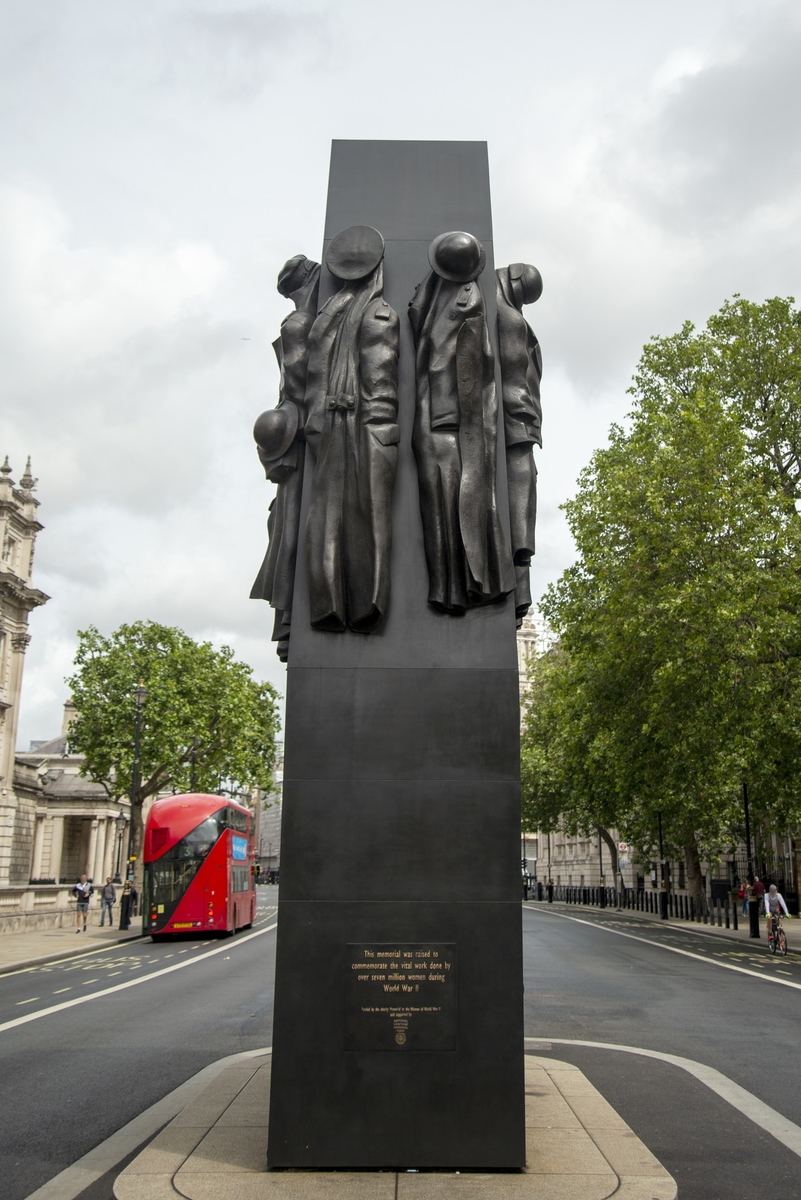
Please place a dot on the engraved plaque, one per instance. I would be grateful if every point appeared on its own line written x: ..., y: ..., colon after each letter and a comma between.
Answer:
x: 400, y: 996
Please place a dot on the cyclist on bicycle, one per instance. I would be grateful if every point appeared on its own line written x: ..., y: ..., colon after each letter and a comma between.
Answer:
x: 774, y: 903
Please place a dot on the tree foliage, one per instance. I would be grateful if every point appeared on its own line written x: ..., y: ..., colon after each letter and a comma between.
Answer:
x: 677, y: 672
x: 205, y: 718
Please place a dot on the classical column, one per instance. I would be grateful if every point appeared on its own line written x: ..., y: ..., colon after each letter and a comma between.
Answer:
x: 100, y: 853
x: 108, y: 860
x: 38, y: 844
x: 90, y: 857
x: 56, y: 848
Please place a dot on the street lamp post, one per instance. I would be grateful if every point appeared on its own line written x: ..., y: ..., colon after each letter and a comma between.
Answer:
x: 753, y: 902
x: 140, y: 695
x: 193, y: 760
x: 120, y: 824
x: 663, y: 895
x: 602, y: 890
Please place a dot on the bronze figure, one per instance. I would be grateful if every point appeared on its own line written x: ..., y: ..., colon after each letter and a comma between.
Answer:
x: 281, y: 446
x: 352, y: 432
x: 521, y: 372
x: 456, y: 431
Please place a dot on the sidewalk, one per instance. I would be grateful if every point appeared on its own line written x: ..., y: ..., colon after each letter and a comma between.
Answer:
x: 21, y: 950
x: 577, y: 1148
x: 735, y: 935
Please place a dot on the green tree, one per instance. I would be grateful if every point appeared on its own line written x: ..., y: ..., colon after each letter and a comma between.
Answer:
x: 678, y: 624
x: 205, y: 721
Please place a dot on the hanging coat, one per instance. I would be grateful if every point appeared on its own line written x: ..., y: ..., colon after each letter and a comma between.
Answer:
x: 455, y: 444
x: 521, y: 372
x: 352, y: 433
x: 275, y: 581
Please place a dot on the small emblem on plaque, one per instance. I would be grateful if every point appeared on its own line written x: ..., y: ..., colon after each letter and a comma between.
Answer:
x: 400, y: 1038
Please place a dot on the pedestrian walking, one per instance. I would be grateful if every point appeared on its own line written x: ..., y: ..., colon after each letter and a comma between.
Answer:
x: 108, y: 897
x: 742, y: 896
x: 550, y: 891
x: 82, y: 891
x: 758, y: 889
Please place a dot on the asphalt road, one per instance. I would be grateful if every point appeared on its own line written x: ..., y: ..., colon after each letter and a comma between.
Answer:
x: 586, y: 982
x: 70, y: 1079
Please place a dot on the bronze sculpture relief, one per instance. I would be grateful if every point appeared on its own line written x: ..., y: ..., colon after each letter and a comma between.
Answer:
x: 281, y: 446
x: 456, y: 431
x: 352, y: 432
x: 521, y: 372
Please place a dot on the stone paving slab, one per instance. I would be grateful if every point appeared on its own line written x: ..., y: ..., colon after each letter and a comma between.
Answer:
x: 577, y: 1148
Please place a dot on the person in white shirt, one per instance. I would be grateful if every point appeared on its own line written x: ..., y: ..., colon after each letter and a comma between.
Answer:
x: 774, y: 902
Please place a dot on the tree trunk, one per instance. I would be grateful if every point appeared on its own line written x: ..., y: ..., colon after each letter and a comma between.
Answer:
x: 692, y: 861
x: 606, y: 835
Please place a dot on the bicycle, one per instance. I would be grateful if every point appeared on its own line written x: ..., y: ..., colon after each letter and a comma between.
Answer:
x: 777, y: 938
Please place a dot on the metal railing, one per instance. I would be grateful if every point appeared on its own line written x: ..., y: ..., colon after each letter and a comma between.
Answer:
x: 680, y: 907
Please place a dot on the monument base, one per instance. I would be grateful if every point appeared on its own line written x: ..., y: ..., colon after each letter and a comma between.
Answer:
x: 577, y: 1148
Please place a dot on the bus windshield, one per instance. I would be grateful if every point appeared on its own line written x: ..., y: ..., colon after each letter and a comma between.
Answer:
x: 170, y: 875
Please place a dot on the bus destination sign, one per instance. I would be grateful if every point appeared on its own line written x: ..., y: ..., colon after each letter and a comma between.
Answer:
x: 400, y: 996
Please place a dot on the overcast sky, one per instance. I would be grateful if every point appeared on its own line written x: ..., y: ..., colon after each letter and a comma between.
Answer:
x: 160, y: 159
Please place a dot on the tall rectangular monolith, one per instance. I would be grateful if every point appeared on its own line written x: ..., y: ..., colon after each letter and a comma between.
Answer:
x: 398, y: 1029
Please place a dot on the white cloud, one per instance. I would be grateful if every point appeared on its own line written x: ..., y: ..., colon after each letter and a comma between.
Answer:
x: 69, y: 302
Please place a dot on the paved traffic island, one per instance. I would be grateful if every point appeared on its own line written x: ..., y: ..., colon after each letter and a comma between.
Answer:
x: 577, y: 1148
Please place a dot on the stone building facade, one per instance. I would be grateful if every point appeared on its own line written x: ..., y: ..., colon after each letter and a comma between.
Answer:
x: 54, y: 823
x: 268, y: 847
x: 79, y: 828
x: 19, y: 785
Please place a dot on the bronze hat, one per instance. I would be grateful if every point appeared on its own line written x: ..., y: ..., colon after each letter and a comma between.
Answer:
x: 530, y: 281
x: 275, y: 429
x: 294, y: 274
x: 457, y: 256
x: 354, y: 252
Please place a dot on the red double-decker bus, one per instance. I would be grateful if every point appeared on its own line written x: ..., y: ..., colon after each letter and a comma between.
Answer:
x: 199, y: 858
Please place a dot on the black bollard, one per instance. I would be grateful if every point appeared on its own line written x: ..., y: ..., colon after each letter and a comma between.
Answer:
x: 753, y: 918
x: 125, y: 911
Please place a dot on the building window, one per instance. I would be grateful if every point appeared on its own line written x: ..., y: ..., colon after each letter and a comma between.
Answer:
x: 10, y: 545
x: 682, y: 880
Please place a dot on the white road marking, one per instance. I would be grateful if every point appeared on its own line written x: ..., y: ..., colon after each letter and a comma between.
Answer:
x: 30, y: 1001
x: 87, y: 1170
x: 78, y: 953
x: 58, y: 991
x: 119, y: 987
x: 767, y: 1118
x: 715, y: 962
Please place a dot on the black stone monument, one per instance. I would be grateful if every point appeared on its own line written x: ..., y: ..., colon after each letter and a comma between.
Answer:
x: 398, y: 1029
